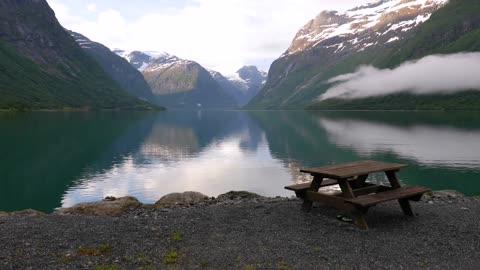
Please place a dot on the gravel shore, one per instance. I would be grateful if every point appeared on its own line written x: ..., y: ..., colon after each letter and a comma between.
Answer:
x: 247, y: 234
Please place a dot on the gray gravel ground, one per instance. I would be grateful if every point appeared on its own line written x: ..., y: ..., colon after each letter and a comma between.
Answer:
x: 271, y: 234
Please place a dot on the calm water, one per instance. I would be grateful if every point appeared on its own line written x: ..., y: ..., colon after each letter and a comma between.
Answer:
x: 50, y: 160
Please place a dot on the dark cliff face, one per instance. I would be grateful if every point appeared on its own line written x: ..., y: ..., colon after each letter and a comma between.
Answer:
x: 118, y: 68
x: 44, y: 68
x: 31, y: 27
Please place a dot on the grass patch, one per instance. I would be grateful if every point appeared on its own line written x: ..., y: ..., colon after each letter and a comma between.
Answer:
x: 170, y: 257
x: 175, y: 235
x: 249, y: 267
x: 106, y: 267
x: 203, y: 264
x: 94, y: 251
x: 282, y: 265
x: 68, y: 258
x: 143, y: 259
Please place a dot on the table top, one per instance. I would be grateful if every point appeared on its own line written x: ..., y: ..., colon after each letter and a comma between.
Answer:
x: 346, y: 170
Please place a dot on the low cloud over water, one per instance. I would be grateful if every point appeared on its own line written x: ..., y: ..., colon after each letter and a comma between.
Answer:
x: 429, y: 75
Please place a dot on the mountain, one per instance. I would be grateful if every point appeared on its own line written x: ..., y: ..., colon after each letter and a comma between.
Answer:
x: 117, y: 67
x: 178, y: 83
x: 42, y: 67
x: 243, y: 85
x: 385, y: 35
x: 139, y: 60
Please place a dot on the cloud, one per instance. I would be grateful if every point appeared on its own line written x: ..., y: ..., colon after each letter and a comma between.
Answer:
x: 219, y: 34
x: 429, y: 75
x: 92, y: 7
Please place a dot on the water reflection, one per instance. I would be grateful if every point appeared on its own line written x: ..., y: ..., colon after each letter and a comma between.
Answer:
x: 212, y: 154
x: 52, y: 160
x: 432, y: 146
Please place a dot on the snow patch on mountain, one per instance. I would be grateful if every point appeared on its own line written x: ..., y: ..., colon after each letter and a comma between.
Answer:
x: 363, y: 26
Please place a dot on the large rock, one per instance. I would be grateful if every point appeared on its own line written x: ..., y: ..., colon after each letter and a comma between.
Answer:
x: 445, y: 194
x: 109, y: 206
x: 182, y: 199
x: 239, y: 195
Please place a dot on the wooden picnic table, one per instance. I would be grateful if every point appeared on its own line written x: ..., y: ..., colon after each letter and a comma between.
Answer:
x: 357, y: 195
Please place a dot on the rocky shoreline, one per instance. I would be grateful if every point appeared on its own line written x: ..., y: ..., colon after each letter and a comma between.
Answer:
x: 241, y: 230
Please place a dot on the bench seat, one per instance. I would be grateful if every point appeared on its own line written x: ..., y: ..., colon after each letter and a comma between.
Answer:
x: 305, y: 186
x: 409, y: 192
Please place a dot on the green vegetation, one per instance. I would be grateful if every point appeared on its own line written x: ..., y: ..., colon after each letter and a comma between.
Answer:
x: 106, y: 267
x: 94, y: 251
x: 170, y: 257
x: 143, y: 259
x: 249, y: 267
x: 25, y: 85
x: 175, y: 235
x: 42, y: 67
x: 452, y: 29
x: 203, y: 264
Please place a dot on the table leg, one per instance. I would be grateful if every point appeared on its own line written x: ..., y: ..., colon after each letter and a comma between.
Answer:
x: 315, y: 186
x: 359, y: 182
x: 359, y: 218
x: 395, y: 183
x: 359, y: 213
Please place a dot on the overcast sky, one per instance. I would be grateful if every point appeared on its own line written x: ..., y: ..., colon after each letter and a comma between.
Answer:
x: 219, y: 34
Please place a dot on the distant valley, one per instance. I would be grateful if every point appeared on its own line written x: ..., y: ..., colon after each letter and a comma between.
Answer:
x: 181, y: 83
x: 382, y: 56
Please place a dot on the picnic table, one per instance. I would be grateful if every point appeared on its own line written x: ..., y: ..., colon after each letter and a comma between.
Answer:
x: 357, y: 195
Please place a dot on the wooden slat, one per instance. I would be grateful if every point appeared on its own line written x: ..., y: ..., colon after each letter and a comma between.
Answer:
x: 305, y: 186
x: 329, y: 200
x: 368, y: 189
x: 395, y: 194
x: 346, y: 170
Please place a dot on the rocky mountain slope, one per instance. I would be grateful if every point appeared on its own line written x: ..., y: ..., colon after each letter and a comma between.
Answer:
x: 117, y: 67
x: 384, y: 34
x: 243, y: 85
x: 178, y: 83
x: 42, y: 67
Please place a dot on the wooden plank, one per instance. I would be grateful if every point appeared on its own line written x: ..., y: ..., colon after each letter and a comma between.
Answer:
x: 395, y: 183
x: 314, y: 186
x: 347, y: 170
x: 305, y: 186
x: 394, y: 194
x: 329, y: 200
x: 369, y: 189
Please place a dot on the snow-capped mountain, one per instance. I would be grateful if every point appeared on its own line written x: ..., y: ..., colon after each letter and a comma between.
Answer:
x: 179, y: 83
x: 378, y: 23
x: 335, y: 43
x: 140, y: 59
x: 243, y: 85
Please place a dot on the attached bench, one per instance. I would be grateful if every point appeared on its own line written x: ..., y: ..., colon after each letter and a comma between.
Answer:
x: 412, y: 193
x: 356, y: 194
x: 301, y: 188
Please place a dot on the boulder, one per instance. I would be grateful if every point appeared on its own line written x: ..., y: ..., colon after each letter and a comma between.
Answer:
x: 110, y: 206
x: 238, y: 195
x: 445, y: 194
x: 182, y: 199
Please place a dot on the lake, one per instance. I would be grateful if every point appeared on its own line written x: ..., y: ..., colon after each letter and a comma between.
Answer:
x: 50, y: 160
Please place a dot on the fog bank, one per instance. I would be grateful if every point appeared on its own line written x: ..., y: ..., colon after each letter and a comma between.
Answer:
x: 429, y: 75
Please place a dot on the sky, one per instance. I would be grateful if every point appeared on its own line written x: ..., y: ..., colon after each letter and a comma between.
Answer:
x: 222, y: 35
